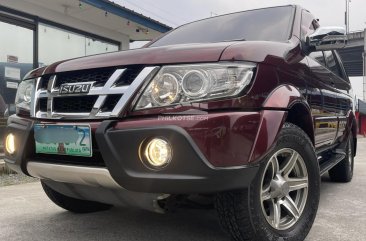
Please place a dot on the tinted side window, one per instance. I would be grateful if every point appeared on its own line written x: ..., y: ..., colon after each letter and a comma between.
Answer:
x: 332, y: 64
x: 318, y: 56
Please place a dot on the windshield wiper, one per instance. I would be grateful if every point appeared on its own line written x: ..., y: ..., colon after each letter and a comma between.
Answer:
x: 235, y: 40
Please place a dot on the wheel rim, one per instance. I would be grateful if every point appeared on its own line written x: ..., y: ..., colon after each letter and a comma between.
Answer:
x: 284, y: 189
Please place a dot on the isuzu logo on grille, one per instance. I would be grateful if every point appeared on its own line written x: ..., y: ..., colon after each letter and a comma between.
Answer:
x: 75, y: 88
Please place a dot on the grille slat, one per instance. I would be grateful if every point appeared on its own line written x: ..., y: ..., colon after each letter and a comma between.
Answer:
x: 44, y: 83
x: 110, y: 103
x: 128, y: 76
x: 43, y: 104
x: 77, y: 104
x: 100, y: 77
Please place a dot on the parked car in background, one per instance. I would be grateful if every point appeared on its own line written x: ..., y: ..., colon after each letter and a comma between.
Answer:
x: 244, y: 111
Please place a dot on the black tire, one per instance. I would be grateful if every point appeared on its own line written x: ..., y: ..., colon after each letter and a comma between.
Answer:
x: 343, y: 171
x: 240, y: 212
x: 72, y: 204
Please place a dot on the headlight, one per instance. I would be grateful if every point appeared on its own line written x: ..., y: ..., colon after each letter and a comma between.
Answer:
x: 165, y: 90
x: 24, y: 94
x: 193, y: 83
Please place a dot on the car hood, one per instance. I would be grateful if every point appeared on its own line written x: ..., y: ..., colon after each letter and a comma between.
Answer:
x: 254, y: 51
x: 189, y: 53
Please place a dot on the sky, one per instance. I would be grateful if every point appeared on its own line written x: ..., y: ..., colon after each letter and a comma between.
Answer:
x: 176, y: 13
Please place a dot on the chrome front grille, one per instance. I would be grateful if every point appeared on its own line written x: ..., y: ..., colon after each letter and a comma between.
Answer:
x: 111, y: 91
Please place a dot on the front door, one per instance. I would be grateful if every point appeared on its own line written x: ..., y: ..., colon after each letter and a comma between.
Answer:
x: 323, y: 100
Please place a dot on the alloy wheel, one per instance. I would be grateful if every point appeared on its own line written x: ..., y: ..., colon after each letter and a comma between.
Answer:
x: 284, y: 189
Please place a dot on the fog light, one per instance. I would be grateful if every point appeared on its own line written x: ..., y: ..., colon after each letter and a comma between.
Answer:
x: 10, y: 143
x: 158, y: 153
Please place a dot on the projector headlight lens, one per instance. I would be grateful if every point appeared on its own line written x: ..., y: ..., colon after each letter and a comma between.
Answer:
x: 165, y: 90
x: 196, y: 83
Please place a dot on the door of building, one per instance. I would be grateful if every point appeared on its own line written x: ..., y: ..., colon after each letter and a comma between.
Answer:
x: 17, y: 36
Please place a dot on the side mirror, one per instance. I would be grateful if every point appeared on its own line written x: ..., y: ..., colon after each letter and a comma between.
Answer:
x: 327, y: 38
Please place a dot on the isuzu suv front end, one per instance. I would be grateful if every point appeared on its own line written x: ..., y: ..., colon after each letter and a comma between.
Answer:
x: 200, y: 116
x: 143, y: 153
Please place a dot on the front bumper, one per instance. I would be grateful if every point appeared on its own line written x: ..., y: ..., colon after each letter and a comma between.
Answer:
x: 118, y: 145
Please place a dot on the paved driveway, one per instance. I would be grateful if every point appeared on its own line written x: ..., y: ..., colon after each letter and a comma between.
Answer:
x: 26, y: 214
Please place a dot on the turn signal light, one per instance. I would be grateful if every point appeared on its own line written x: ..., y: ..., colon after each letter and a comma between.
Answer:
x: 10, y: 144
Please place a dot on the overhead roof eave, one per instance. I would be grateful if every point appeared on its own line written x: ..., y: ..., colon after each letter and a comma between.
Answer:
x: 123, y: 12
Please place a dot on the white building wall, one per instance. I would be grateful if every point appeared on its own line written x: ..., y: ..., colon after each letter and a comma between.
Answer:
x: 67, y: 20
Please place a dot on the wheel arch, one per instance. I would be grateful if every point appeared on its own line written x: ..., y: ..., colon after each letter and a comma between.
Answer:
x: 299, y: 114
x: 350, y: 132
x: 298, y: 110
x: 284, y: 104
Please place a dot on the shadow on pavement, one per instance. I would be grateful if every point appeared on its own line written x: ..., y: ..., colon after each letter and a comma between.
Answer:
x: 126, y: 224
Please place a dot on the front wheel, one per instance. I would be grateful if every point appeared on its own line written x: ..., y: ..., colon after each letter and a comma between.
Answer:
x: 282, y: 201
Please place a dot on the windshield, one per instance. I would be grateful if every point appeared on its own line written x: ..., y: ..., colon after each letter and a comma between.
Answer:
x: 268, y: 24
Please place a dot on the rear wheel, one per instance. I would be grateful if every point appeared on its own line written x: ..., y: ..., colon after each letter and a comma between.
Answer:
x: 343, y: 171
x: 72, y: 204
x: 282, y: 201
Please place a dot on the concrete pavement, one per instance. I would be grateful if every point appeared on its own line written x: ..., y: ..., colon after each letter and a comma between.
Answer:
x: 26, y: 214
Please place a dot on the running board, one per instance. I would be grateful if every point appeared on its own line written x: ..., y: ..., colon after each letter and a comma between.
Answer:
x: 331, y: 162
x: 326, y: 148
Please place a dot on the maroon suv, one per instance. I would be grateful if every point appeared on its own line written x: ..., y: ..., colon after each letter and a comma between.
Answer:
x: 242, y: 112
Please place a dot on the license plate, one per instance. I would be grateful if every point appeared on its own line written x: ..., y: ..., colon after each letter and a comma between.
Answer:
x: 71, y: 140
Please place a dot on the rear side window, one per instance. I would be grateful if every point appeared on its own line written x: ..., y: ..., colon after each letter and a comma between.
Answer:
x: 332, y: 64
x: 318, y: 57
